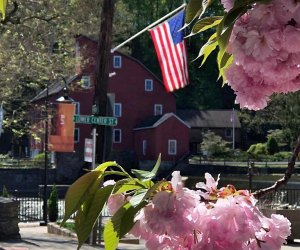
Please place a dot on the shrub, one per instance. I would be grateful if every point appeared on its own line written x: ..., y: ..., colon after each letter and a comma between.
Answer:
x: 283, y: 155
x: 214, y: 145
x: 5, y: 192
x: 258, y: 149
x: 53, y: 205
x: 272, y: 146
x: 40, y: 156
x: 4, y: 156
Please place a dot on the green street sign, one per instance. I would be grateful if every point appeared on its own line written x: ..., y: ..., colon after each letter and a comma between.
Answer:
x: 98, y: 120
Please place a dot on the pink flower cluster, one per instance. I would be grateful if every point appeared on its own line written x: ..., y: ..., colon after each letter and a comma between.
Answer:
x: 208, y: 218
x: 265, y: 44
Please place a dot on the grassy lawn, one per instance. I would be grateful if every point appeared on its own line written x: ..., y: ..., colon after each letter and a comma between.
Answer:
x: 70, y: 225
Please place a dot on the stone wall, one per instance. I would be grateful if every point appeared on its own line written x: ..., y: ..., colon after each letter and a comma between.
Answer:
x: 69, y: 166
x: 9, y: 219
x: 25, y: 179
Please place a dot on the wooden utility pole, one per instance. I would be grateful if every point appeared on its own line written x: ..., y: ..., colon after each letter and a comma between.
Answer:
x: 102, y: 72
x: 101, y: 86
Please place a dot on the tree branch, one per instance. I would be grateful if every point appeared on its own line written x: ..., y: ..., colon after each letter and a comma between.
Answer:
x: 288, y: 173
x: 49, y: 19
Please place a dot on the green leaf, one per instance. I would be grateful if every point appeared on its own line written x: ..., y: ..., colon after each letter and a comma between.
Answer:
x: 120, y: 224
x: 142, y: 174
x: 82, y: 188
x: 129, y: 185
x: 3, y: 8
x: 146, y: 175
x: 193, y: 10
x: 225, y: 27
x: 102, y: 167
x: 225, y: 59
x: 115, y: 173
x: 77, y: 192
x: 229, y: 60
x: 89, y: 212
x: 205, y: 24
x: 207, y: 48
x: 138, y: 197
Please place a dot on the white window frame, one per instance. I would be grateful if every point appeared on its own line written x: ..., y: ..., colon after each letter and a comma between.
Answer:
x: 120, y: 109
x: 144, y: 147
x: 76, y: 140
x: 228, y: 135
x: 148, y: 81
x: 115, y: 65
x: 158, y: 107
x: 77, y: 108
x: 114, y: 135
x: 170, y: 142
x: 86, y: 79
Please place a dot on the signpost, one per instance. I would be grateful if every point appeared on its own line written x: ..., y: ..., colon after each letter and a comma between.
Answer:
x: 97, y: 120
x: 90, y: 144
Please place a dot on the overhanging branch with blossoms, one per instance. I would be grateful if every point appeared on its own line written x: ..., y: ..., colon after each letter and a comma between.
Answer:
x: 258, y: 55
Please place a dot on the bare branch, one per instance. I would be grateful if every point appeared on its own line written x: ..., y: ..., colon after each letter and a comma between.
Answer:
x: 288, y: 173
x: 49, y: 19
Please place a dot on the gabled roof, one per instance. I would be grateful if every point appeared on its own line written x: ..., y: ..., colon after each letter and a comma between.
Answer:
x: 210, y: 118
x: 131, y: 58
x: 155, y: 121
x: 54, y: 88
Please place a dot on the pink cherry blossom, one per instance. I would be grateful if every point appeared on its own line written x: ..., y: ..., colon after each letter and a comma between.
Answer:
x: 175, y: 219
x: 265, y: 44
x: 115, y: 201
x: 228, y: 4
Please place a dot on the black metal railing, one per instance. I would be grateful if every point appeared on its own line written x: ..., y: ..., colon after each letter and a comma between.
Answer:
x: 31, y: 206
x: 282, y: 198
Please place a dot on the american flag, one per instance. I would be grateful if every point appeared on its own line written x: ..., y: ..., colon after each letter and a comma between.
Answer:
x: 171, y: 52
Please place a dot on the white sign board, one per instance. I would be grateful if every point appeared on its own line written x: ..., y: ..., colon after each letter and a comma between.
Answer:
x: 88, y: 150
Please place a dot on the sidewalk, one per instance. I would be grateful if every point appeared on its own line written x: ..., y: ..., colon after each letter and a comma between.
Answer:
x: 35, y: 237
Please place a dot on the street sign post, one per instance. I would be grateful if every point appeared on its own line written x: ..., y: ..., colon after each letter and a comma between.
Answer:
x: 98, y: 120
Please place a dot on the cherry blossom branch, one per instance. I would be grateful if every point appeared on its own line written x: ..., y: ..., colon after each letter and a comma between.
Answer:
x: 288, y: 173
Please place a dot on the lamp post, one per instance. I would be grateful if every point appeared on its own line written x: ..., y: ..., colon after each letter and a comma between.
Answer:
x: 45, y: 212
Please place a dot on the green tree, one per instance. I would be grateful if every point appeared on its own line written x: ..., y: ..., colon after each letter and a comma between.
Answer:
x: 5, y: 193
x: 214, y: 145
x: 53, y: 205
x: 258, y: 149
x: 272, y: 146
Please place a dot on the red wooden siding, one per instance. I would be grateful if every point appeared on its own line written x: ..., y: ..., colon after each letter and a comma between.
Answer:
x: 158, y: 137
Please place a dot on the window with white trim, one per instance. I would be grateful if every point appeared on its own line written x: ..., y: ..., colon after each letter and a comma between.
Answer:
x: 228, y: 132
x: 86, y: 82
x: 117, y: 62
x: 76, y: 135
x: 144, y: 147
x: 158, y: 109
x: 77, y: 108
x: 117, y: 136
x: 117, y: 110
x: 148, y: 85
x: 172, y: 147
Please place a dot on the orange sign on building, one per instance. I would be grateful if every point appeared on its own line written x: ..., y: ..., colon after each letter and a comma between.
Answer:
x: 61, y: 138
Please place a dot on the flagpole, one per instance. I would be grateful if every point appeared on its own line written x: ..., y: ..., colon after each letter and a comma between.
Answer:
x: 148, y: 27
